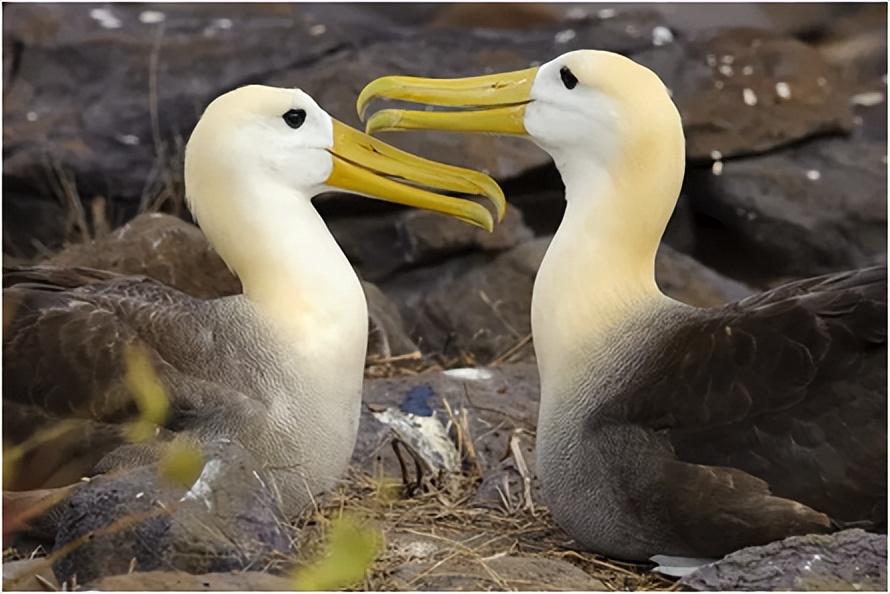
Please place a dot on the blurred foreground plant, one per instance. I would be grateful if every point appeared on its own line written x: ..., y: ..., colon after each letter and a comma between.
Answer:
x: 148, y: 392
x: 350, y: 550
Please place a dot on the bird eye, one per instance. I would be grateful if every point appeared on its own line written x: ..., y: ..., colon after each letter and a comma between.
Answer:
x: 568, y: 79
x: 294, y: 118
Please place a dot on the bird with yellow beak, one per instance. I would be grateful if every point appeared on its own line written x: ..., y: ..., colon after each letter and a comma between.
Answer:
x: 277, y: 369
x: 665, y: 428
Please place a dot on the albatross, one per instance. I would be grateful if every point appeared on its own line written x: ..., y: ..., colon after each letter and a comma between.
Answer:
x: 664, y: 428
x: 278, y: 368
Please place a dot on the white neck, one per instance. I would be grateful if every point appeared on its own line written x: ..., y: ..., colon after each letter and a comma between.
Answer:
x: 297, y: 277
x: 599, y: 269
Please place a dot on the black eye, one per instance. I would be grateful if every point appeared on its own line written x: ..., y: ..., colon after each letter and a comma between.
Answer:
x: 294, y: 118
x: 568, y: 79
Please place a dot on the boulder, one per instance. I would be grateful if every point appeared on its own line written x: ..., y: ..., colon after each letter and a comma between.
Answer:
x: 159, y: 246
x: 747, y: 91
x: 140, y: 581
x: 482, y: 309
x: 850, y: 560
x: 105, y: 92
x: 381, y: 245
x: 510, y: 572
x: 137, y: 519
x: 798, y: 212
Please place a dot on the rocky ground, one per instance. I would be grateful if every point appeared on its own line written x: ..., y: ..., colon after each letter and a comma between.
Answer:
x: 785, y: 117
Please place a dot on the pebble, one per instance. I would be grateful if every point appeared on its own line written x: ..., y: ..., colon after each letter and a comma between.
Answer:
x: 564, y: 36
x: 783, y: 90
x: 750, y: 97
x: 106, y: 18
x: 814, y: 175
x: 867, y: 99
x: 662, y: 36
x: 469, y: 374
x: 606, y: 13
x: 151, y: 17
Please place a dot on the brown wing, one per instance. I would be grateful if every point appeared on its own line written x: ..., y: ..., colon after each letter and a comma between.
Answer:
x: 779, y: 398
x: 65, y: 335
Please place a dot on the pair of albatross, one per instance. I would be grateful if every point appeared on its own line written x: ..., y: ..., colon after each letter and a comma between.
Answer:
x: 663, y: 428
x: 279, y: 369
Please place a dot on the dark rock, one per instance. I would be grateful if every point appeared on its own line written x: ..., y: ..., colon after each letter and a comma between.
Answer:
x: 380, y: 245
x: 857, y: 45
x: 470, y: 306
x: 687, y: 280
x: 229, y: 519
x: 511, y: 572
x: 850, y: 560
x: 744, y: 91
x: 498, y: 401
x: 810, y: 209
x: 159, y: 246
x: 482, y: 309
x: 95, y: 94
x: 250, y: 581
x: 386, y: 329
x: 87, y: 87
x: 802, y: 20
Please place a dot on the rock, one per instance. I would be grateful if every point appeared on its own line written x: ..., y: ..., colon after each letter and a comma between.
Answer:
x: 159, y: 246
x: 746, y: 91
x: 133, y: 519
x: 511, y: 572
x: 22, y: 576
x: 381, y: 245
x: 386, y: 329
x: 251, y: 581
x: 498, y: 401
x: 483, y: 309
x: 857, y: 45
x: 798, y: 212
x: 687, y: 280
x: 847, y: 560
x: 91, y: 80
x: 469, y: 306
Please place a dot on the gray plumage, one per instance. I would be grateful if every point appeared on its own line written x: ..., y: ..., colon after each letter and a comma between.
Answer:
x: 706, y: 430
x: 66, y: 332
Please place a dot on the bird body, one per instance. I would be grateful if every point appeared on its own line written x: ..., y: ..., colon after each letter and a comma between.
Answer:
x: 278, y: 369
x: 664, y: 428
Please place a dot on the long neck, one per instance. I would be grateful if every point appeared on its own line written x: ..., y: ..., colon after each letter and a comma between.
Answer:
x: 599, y: 270
x: 296, y: 276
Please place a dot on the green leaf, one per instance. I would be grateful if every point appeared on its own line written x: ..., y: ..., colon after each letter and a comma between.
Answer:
x: 351, y: 550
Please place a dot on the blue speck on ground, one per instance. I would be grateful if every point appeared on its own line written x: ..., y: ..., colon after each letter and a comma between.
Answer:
x: 417, y: 401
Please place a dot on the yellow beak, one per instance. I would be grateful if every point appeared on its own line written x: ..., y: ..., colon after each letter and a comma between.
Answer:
x: 494, y: 103
x: 367, y: 166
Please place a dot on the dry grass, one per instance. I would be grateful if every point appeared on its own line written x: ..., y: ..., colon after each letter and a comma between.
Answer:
x: 456, y: 529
